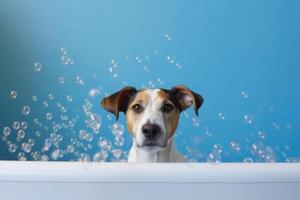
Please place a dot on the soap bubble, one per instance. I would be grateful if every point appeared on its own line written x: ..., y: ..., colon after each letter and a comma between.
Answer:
x: 47, y: 144
x: 83, y: 134
x: 45, y: 103
x: 22, y: 156
x: 217, y: 148
x: 16, y: 125
x: 258, y: 150
x: 94, y: 92
x: 276, y: 126
x: 235, y: 146
x: 38, y: 133
x: 167, y: 36
x: 20, y: 134
x: 61, y: 80
x: 57, y: 154
x: 104, y: 144
x: 292, y: 160
x: 34, y: 98
x: 69, y: 98
x: 117, y: 153
x: 196, y: 121
x: 221, y: 115
x: 214, y: 157
x: 248, y: 119
x: 100, y: 156
x: 117, y: 129
x: 49, y: 116
x: 24, y: 125
x: 13, y: 94
x: 261, y: 134
x: 51, y: 96
x: 64, y: 58
x: 79, y: 81
x: 31, y: 141
x: 83, y: 157
x: 36, y: 155
x: 70, y: 148
x: 26, y: 110
x: 12, y: 148
x: 26, y: 147
x: 94, y: 122
x: 113, y: 69
x: 44, y: 157
x: 244, y: 94
x: 6, y: 131
x: 37, y: 67
x: 119, y: 141
x: 248, y: 160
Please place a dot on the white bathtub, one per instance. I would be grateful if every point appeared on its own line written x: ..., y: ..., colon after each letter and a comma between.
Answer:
x: 89, y: 181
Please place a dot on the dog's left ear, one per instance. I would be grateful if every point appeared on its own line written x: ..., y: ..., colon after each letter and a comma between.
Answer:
x: 184, y: 98
x: 118, y: 101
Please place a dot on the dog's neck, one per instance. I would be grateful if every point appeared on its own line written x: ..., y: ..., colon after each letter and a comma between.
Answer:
x: 167, y: 154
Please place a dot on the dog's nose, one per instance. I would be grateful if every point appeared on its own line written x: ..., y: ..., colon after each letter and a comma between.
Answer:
x: 150, y: 131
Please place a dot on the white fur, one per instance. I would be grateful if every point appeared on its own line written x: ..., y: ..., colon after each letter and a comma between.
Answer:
x: 167, y: 151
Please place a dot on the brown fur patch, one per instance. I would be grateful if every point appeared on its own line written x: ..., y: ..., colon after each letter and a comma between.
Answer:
x: 170, y: 119
x: 141, y: 98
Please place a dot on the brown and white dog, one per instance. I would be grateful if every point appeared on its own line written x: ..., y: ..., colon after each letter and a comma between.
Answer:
x: 152, y: 118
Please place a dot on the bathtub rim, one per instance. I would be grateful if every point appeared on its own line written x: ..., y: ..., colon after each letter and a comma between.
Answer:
x: 92, y: 172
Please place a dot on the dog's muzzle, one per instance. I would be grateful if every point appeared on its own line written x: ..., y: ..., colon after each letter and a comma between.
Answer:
x: 152, y: 136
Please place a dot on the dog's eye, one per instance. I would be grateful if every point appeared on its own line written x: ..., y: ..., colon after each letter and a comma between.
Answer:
x: 167, y: 108
x: 137, y: 108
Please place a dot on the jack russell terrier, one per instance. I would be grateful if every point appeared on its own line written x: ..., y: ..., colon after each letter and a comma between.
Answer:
x: 152, y: 118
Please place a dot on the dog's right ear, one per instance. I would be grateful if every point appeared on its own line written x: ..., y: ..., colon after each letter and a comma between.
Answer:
x: 118, y: 101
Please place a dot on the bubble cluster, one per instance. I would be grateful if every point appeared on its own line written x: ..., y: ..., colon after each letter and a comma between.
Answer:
x: 94, y: 121
x: 53, y: 128
x: 65, y: 59
x: 117, y: 129
x: 113, y: 69
x: 172, y: 61
x: 57, y: 154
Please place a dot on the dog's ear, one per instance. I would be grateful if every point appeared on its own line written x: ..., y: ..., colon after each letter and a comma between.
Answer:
x: 118, y: 101
x: 184, y: 98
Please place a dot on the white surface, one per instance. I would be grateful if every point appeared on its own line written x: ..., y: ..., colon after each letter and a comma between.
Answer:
x: 77, y: 180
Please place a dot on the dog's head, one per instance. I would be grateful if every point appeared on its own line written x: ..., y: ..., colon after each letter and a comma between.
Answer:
x: 152, y: 114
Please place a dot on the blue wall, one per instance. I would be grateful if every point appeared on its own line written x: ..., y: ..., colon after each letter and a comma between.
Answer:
x: 219, y: 48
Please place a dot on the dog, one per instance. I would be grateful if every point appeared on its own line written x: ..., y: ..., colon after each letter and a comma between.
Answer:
x: 152, y: 117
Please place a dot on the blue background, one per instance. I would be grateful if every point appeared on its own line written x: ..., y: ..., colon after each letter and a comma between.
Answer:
x: 224, y: 48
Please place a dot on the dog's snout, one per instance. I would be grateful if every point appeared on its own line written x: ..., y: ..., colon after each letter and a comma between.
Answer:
x: 150, y: 131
